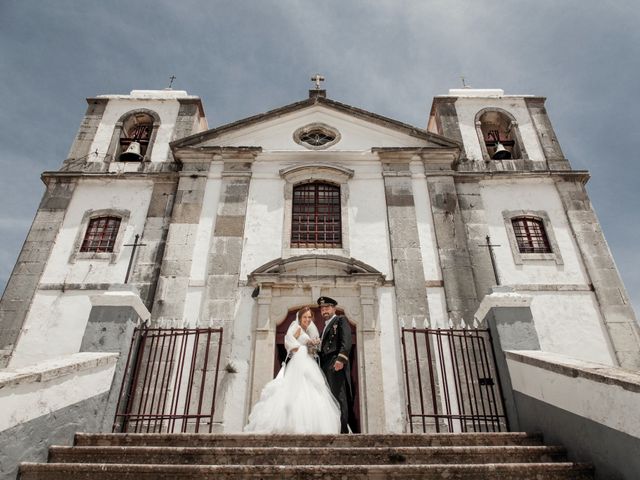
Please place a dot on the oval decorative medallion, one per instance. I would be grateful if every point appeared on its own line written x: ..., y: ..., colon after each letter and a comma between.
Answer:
x: 316, y: 136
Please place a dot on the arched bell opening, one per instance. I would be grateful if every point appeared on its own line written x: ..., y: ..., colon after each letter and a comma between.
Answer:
x: 499, y: 135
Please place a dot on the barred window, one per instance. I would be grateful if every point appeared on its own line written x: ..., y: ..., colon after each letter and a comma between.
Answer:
x: 316, y: 218
x: 101, y: 234
x: 531, y: 235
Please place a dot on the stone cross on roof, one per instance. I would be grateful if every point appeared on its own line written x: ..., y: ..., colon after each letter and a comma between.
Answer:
x: 317, y: 78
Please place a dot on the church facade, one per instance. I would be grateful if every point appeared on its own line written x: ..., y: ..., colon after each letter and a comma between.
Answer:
x: 237, y: 226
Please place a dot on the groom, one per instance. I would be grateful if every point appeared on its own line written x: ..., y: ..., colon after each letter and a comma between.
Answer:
x: 334, y: 357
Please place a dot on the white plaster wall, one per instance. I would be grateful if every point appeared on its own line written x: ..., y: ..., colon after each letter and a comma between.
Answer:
x: 264, y: 223
x: 531, y: 194
x: 54, y: 326
x: 166, y: 108
x: 53, y: 386
x: 393, y: 388
x: 368, y: 228
x: 467, y: 109
x: 570, y: 323
x: 356, y: 134
x: 424, y: 220
x: 602, y: 401
x: 132, y: 195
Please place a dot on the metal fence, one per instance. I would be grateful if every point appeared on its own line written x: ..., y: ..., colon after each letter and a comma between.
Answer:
x: 451, y: 379
x: 170, y: 381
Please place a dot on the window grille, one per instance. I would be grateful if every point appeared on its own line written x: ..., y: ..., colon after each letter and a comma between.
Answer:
x: 317, y: 137
x: 316, y: 218
x: 101, y: 234
x: 531, y: 235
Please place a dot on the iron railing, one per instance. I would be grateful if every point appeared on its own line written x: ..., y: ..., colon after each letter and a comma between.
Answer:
x: 170, y: 381
x: 451, y: 381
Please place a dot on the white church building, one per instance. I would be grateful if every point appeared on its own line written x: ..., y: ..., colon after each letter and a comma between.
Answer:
x: 227, y: 231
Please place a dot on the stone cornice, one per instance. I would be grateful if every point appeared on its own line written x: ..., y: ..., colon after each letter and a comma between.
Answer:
x: 581, y: 176
x: 75, y: 175
x: 434, y: 159
x: 200, y: 154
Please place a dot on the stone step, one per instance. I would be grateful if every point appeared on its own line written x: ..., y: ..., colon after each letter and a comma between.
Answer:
x: 306, y: 455
x: 251, y: 440
x: 508, y: 471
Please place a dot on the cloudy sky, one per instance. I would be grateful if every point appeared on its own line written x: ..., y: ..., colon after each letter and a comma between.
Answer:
x: 387, y: 56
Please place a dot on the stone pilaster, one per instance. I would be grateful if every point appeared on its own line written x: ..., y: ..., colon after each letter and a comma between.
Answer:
x: 173, y: 282
x: 615, y: 306
x: 188, y: 115
x: 546, y: 135
x: 225, y: 252
x: 372, y: 415
x: 455, y: 260
x: 446, y: 115
x: 28, y: 270
x: 223, y: 262
x: 88, y: 128
x: 146, y: 269
x: 264, y: 340
x: 406, y: 256
x: 475, y: 223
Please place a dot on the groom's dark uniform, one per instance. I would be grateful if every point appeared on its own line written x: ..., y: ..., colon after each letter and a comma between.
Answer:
x: 336, y: 345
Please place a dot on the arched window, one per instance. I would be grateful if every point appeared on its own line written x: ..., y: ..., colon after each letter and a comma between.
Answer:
x: 499, y: 136
x: 101, y: 234
x: 135, y: 137
x: 531, y: 235
x: 316, y: 216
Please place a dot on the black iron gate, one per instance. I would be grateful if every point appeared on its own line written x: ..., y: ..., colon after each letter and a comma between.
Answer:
x: 170, y: 381
x: 452, y: 382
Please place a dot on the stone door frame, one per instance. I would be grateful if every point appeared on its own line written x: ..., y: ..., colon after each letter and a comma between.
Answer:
x: 286, y: 284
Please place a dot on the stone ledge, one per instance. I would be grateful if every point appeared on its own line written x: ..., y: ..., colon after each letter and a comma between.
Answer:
x: 122, y: 296
x: 501, y: 297
x: 571, y: 367
x: 55, y: 368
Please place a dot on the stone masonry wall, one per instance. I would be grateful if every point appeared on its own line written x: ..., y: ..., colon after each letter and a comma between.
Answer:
x: 455, y: 260
x: 28, y: 270
x: 88, y: 128
x: 617, y: 312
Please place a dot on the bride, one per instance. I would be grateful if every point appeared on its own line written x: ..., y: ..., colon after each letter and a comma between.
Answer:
x: 298, y: 400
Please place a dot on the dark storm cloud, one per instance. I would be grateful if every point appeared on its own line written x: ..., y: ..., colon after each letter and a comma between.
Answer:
x: 391, y: 57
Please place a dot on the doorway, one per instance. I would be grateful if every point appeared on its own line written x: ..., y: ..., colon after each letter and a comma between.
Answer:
x: 280, y: 354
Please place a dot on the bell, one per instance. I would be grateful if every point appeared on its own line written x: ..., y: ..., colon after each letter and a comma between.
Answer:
x: 501, y: 153
x: 131, y: 154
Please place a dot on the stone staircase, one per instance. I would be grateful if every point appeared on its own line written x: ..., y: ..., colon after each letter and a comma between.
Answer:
x: 487, y: 456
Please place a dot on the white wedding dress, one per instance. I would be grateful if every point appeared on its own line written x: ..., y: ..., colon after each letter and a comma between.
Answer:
x: 298, y: 400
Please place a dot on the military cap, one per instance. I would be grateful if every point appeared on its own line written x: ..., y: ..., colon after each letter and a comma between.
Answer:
x: 326, y: 301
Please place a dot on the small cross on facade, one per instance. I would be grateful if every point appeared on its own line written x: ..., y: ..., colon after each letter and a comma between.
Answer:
x: 135, y: 245
x: 317, y: 78
x: 171, y: 79
x: 494, y: 264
